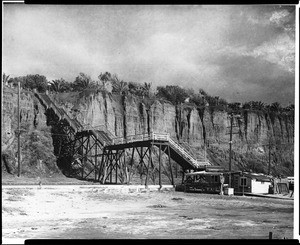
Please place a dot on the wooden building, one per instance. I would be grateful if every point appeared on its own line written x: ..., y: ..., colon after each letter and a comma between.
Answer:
x: 246, y: 182
x: 203, y: 181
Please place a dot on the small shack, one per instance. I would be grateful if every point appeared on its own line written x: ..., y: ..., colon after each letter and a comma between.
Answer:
x: 280, y: 186
x: 203, y: 181
x: 247, y: 182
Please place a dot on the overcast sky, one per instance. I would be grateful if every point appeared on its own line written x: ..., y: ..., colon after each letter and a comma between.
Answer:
x: 240, y: 53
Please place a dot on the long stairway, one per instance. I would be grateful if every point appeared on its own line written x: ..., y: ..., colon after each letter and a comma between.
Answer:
x: 100, y: 132
x: 179, y: 152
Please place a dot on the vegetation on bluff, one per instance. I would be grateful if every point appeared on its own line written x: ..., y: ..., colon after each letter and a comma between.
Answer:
x: 111, y: 83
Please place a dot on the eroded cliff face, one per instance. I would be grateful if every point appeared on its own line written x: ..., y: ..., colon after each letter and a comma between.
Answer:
x: 201, y: 129
x: 34, y: 134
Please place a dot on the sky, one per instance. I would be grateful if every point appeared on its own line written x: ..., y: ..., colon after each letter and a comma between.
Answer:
x: 239, y: 53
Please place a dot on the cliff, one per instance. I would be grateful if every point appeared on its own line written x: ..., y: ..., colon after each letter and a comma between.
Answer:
x: 37, y: 156
x: 203, y: 129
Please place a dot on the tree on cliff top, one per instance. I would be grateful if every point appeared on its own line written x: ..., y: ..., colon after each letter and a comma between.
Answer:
x: 60, y: 85
x: 119, y: 86
x: 82, y: 82
x: 106, y: 76
x: 174, y: 94
x: 143, y: 90
x: 36, y: 81
x: 31, y: 82
x: 5, y: 79
x: 105, y: 82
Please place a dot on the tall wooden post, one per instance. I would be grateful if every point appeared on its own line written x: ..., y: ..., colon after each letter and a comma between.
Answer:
x: 230, y: 148
x: 117, y: 159
x: 111, y: 166
x: 125, y: 168
x: 101, y: 165
x: 170, y: 165
x: 95, y: 166
x: 183, y: 171
x: 82, y: 158
x: 19, y: 133
x: 104, y: 167
x: 269, y: 167
x: 87, y: 150
x: 131, y: 163
x: 159, y: 162
x: 142, y: 166
x: 204, y: 152
x: 149, y: 162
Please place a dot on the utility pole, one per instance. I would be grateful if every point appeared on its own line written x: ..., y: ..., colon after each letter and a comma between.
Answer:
x: 230, y: 144
x: 230, y: 148
x: 204, y: 152
x: 270, y: 145
x: 269, y: 167
x: 19, y: 133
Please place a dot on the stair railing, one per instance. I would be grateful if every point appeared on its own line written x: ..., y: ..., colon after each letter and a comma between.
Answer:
x: 103, y: 128
x: 164, y: 137
x: 183, y: 152
x: 59, y: 111
x: 192, y: 151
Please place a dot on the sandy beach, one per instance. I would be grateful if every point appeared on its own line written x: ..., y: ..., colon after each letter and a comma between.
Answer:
x: 133, y: 212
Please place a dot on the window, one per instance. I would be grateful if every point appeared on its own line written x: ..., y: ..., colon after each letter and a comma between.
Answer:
x: 243, y: 181
x: 215, y: 178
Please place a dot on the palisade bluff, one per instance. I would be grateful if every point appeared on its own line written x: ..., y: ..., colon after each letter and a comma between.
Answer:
x: 261, y: 136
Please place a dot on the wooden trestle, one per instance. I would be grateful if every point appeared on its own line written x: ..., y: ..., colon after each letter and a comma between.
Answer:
x: 113, y: 161
x: 86, y: 151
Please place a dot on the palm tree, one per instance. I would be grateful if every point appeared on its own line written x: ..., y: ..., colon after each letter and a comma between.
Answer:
x: 258, y: 105
x: 141, y: 91
x: 5, y: 79
x: 138, y: 89
x: 58, y: 85
x: 119, y: 86
x: 105, y: 86
x: 147, y: 88
x: 105, y: 76
x: 290, y: 107
x: 246, y: 106
x: 202, y: 92
x: 235, y: 107
x: 83, y: 82
x: 275, y: 107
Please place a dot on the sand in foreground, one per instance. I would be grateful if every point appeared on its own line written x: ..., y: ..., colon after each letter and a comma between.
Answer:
x: 94, y: 212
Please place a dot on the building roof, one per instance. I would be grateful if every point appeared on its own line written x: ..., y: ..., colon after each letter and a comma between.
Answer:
x: 206, y: 173
x: 259, y: 177
x: 256, y: 176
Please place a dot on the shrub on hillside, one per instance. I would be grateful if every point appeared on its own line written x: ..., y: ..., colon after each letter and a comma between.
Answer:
x: 38, y: 152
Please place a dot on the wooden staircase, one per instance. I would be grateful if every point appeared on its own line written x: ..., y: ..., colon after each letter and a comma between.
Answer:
x: 181, y: 153
x: 100, y: 132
